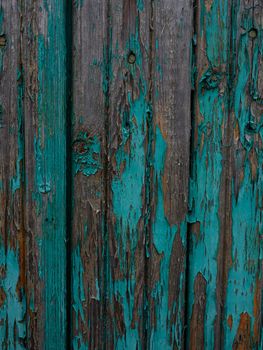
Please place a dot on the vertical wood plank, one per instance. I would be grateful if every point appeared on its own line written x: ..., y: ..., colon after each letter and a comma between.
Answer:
x: 12, y: 248
x: 209, y: 221
x: 44, y: 64
x: 242, y: 322
x: 171, y: 35
x: 88, y: 153
x: 129, y: 109
x: 225, y: 263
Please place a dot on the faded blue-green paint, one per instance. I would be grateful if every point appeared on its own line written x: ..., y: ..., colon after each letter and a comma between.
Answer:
x: 222, y: 92
x: 13, y: 307
x: 243, y: 284
x: 50, y: 173
x: 205, y: 185
x: 163, y: 238
x: 127, y: 190
x: 78, y: 299
x: 86, y: 154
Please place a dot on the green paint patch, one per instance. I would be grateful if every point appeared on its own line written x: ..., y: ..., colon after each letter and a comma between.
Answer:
x: 78, y: 299
x: 13, y: 302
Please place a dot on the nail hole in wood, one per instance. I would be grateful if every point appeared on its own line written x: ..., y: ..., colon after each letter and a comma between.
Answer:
x: 253, y: 33
x: 131, y: 57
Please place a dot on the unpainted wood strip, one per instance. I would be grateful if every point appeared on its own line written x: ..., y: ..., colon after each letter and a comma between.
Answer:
x: 88, y: 173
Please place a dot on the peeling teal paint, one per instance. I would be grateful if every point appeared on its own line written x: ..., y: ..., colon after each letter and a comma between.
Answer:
x: 205, y: 184
x: 13, y: 310
x: 127, y: 189
x: 86, y: 154
x: 216, y: 104
x: 140, y: 5
x: 127, y: 193
x: 78, y: 299
x: 243, y: 275
x: 163, y: 238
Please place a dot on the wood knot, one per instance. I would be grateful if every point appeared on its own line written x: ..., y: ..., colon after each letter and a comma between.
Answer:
x: 131, y: 57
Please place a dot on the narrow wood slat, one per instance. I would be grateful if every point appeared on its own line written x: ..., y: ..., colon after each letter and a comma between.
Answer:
x: 129, y: 107
x: 88, y: 153
x: 171, y: 35
x: 242, y: 322
x: 12, y: 243
x: 44, y: 67
x: 208, y: 204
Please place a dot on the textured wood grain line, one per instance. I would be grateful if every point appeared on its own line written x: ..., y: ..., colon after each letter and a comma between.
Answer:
x: 12, y: 247
x: 88, y: 152
x: 44, y: 61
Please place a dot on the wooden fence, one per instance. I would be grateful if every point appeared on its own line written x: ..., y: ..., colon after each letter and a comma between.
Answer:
x: 131, y: 174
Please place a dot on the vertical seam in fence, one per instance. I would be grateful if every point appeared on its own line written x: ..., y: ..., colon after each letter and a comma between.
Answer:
x: 21, y: 131
x: 69, y: 182
x: 106, y: 165
x: 227, y: 191
x: 191, y: 153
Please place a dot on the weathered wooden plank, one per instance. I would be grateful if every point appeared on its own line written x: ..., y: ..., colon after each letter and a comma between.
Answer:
x: 44, y: 67
x: 242, y: 322
x: 129, y: 113
x: 168, y: 164
x: 209, y: 196
x: 88, y: 158
x: 12, y: 234
x: 226, y: 190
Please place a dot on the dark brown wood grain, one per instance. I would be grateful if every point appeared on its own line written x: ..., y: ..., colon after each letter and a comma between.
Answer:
x: 12, y: 232
x: 172, y: 30
x: 88, y: 169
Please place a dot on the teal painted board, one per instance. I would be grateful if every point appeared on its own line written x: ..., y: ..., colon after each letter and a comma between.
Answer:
x: 44, y: 51
x: 129, y: 112
x: 208, y: 176
x: 225, y: 262
x: 131, y: 174
x: 243, y: 304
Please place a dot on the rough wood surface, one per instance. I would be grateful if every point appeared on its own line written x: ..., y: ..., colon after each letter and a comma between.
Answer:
x: 226, y: 181
x: 169, y: 127
x: 128, y: 110
x: 131, y: 174
x: 12, y: 233
x: 88, y: 158
x: 44, y: 66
